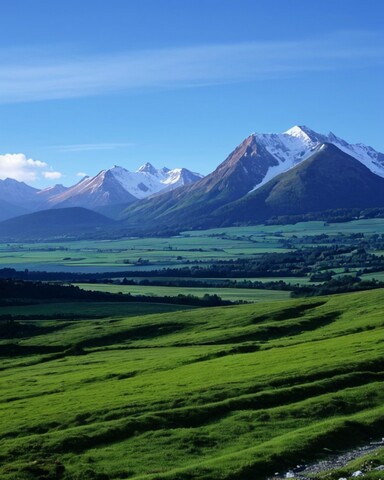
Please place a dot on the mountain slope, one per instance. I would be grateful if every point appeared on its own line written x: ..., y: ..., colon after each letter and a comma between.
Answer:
x: 18, y: 193
x: 55, y: 222
x: 9, y: 210
x: 16, y: 198
x: 49, y: 192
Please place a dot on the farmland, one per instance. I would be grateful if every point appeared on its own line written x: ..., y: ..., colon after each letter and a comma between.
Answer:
x: 189, y: 248
x: 228, y: 392
x: 243, y: 263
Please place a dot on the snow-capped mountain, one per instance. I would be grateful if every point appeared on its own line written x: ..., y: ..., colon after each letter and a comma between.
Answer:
x: 156, y: 197
x: 299, y: 142
x: 147, y: 180
x: 120, y: 186
x: 309, y: 188
x: 92, y: 192
x: 180, y: 176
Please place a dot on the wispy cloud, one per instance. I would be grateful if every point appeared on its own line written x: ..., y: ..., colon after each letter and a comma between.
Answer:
x: 44, y: 76
x: 85, y: 147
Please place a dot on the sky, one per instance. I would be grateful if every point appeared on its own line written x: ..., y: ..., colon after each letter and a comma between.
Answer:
x: 89, y: 84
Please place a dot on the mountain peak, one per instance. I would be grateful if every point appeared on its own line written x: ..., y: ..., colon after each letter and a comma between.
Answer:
x: 147, y: 168
x: 54, y: 189
x: 12, y: 181
x: 302, y: 132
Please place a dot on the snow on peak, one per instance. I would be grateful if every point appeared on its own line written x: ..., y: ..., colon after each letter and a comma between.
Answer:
x: 303, y: 133
x: 173, y: 176
x: 147, y: 168
x: 366, y: 155
x: 297, y: 130
x: 147, y: 180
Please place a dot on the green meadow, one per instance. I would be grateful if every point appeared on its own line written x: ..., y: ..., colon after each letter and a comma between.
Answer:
x: 232, y: 294
x: 188, y: 248
x: 236, y: 392
x: 214, y: 261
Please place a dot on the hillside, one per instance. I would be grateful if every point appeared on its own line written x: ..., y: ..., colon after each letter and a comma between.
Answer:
x: 8, y: 210
x: 56, y: 222
x: 231, y: 392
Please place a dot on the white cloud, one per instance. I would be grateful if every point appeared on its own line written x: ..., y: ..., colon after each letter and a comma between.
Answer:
x: 52, y: 175
x: 46, y: 76
x: 19, y: 167
x: 81, y: 174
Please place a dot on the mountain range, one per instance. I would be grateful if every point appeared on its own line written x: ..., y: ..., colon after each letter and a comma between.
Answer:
x: 115, y: 186
x: 236, y: 191
x: 297, y: 172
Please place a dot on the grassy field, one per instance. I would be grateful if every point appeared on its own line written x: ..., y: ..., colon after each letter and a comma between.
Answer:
x: 233, y: 294
x: 223, y: 393
x: 194, y: 250
x: 185, y: 249
x: 87, y: 309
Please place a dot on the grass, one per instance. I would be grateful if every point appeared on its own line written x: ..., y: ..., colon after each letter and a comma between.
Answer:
x: 191, y: 246
x: 193, y: 249
x: 223, y: 393
x: 233, y: 294
x: 79, y: 309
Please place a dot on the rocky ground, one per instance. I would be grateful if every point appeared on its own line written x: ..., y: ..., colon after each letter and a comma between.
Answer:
x: 333, y: 461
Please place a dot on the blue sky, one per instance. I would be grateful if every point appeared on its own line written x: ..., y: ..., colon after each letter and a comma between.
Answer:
x: 88, y: 84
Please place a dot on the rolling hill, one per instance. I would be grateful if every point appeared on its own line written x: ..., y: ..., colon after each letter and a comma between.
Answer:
x: 231, y: 393
x: 60, y: 222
